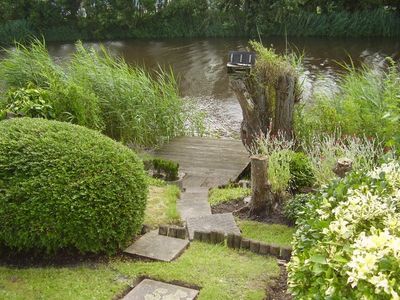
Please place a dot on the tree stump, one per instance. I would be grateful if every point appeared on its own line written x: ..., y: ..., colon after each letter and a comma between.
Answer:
x: 342, y: 167
x: 260, y: 203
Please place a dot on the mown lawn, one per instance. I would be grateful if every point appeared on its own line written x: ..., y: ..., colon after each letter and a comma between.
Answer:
x: 278, y: 234
x: 220, y: 272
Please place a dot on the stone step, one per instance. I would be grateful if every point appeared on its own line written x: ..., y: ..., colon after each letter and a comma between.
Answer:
x: 151, y: 289
x: 157, y: 247
x: 217, y: 222
x: 194, y: 203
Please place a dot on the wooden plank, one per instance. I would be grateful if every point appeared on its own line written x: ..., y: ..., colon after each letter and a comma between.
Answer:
x: 206, y: 160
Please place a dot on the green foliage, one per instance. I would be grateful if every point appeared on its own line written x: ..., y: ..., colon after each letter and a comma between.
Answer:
x: 167, y: 167
x: 64, y: 186
x: 28, y: 102
x: 367, y: 104
x: 135, y: 107
x: 217, y: 196
x: 61, y: 20
x: 98, y: 91
x: 346, y: 244
x: 324, y: 150
x: 294, y: 207
x: 15, y: 30
x: 301, y: 173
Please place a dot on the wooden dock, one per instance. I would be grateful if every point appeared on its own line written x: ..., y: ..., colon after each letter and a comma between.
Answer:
x: 207, y: 162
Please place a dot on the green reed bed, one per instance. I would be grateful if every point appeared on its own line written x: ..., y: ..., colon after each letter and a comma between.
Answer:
x: 96, y: 90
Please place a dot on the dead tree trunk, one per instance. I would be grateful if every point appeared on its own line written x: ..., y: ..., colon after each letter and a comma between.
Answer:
x: 261, y: 202
x: 263, y: 113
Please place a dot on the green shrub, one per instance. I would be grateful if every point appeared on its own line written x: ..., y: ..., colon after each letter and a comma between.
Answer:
x: 301, y: 174
x: 28, y: 102
x: 167, y: 167
x: 347, y: 242
x: 295, y: 206
x: 64, y: 186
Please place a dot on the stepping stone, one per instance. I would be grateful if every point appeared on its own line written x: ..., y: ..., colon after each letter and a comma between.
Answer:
x: 193, y: 203
x: 158, y: 247
x: 156, y: 290
x: 218, y: 222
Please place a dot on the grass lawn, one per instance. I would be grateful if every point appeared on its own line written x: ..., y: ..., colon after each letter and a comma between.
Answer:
x: 220, y: 272
x: 161, y: 206
x: 269, y: 233
x: 217, y: 196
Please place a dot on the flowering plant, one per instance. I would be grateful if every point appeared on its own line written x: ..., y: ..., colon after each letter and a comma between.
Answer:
x: 347, y: 245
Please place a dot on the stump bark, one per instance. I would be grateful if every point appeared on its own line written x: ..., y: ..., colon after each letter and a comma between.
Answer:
x: 261, y: 200
x: 263, y: 113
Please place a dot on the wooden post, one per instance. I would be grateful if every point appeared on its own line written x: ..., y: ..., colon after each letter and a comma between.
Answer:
x: 259, y: 204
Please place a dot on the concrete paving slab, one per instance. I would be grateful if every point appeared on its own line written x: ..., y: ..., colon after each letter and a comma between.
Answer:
x: 218, y: 222
x: 193, y: 203
x: 158, y: 247
x: 156, y: 290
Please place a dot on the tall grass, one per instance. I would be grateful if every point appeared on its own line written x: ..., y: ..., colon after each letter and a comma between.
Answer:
x: 380, y: 22
x: 15, y: 31
x: 325, y: 150
x: 99, y: 91
x: 368, y: 103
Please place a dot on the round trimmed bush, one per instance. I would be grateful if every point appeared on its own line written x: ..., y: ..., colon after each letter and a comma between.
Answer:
x: 63, y: 186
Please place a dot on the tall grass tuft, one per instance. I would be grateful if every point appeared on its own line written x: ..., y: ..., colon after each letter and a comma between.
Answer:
x: 367, y: 104
x: 135, y: 107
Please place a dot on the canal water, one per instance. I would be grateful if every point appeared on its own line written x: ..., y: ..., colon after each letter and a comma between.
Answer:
x: 200, y: 66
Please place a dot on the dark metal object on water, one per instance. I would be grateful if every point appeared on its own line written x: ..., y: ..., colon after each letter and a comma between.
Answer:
x: 240, y: 61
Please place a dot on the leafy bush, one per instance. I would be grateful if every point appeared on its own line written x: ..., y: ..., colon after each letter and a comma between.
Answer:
x: 294, y: 207
x: 347, y: 242
x: 279, y: 153
x: 64, y: 186
x: 28, y: 102
x: 301, y: 173
x: 167, y: 167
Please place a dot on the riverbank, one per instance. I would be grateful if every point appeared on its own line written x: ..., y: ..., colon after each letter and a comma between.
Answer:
x: 208, y: 23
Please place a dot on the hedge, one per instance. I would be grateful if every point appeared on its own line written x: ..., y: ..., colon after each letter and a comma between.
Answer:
x: 63, y: 186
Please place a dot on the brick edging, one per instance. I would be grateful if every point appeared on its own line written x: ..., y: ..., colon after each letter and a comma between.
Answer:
x: 236, y: 241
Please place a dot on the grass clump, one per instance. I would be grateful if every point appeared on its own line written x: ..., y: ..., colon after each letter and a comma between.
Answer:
x: 217, y: 196
x: 277, y: 234
x: 161, y: 206
x: 367, y: 105
x: 65, y: 187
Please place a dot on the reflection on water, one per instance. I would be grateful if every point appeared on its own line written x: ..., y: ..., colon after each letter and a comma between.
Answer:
x: 200, y: 64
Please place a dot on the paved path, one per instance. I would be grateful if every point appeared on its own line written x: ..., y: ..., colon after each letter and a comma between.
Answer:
x: 207, y: 163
